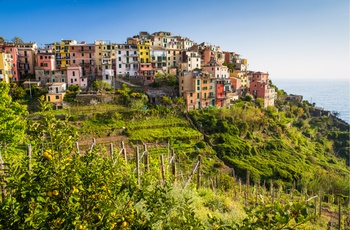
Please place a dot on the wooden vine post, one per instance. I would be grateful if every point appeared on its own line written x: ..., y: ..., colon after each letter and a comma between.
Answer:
x: 146, y: 162
x: 29, y: 155
x: 111, y: 150
x: 77, y: 147
x: 173, y: 165
x: 339, y: 214
x: 320, y: 200
x: 2, y: 175
x: 162, y: 169
x: 199, y: 172
x: 271, y: 191
x: 124, y: 152
x: 138, y: 166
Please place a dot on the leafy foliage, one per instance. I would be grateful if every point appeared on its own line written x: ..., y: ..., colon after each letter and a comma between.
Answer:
x: 12, y: 119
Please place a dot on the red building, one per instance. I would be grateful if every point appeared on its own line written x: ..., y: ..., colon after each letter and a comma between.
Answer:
x: 259, y: 86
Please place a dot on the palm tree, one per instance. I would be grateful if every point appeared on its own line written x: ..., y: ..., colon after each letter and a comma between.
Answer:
x: 17, y: 40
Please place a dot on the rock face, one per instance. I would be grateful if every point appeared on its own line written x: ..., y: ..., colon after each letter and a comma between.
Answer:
x: 87, y: 98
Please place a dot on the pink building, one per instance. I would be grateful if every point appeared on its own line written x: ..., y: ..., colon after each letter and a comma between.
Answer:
x: 75, y: 77
x: 147, y: 72
x: 236, y: 84
x: 83, y: 55
x: 259, y: 86
x: 46, y: 59
x: 11, y: 48
x: 207, y: 55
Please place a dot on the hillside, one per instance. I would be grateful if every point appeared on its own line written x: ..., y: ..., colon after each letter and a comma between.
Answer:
x: 284, y: 148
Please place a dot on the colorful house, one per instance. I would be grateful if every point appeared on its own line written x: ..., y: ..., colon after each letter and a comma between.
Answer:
x: 5, y: 67
x: 26, y: 59
x: 45, y: 59
x: 56, y: 93
x: 11, y: 48
x: 223, y: 83
x: 259, y: 87
x: 62, y: 52
x: 83, y: 55
x: 127, y: 60
x: 191, y: 61
x: 196, y: 89
x: 75, y: 77
x: 146, y: 69
x: 105, y: 55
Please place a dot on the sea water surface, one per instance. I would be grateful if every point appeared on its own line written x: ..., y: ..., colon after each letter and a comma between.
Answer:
x: 332, y: 95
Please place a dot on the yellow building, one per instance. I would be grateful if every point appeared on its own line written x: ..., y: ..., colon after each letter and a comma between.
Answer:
x: 143, y: 48
x: 62, y: 53
x: 5, y: 67
x: 147, y: 72
x: 105, y: 57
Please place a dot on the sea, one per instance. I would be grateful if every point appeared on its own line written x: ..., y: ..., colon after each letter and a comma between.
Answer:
x: 331, y: 95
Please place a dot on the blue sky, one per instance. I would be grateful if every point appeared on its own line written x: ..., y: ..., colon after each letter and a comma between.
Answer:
x: 287, y: 38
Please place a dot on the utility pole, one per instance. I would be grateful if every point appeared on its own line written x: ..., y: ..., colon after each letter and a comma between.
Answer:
x: 30, y: 89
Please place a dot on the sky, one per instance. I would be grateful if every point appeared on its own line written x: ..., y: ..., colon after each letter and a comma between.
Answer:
x: 289, y: 39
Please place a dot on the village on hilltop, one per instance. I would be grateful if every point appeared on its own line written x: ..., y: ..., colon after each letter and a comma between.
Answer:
x: 202, y: 74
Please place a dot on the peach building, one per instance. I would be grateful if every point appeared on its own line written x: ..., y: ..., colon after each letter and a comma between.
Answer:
x: 196, y: 89
x: 26, y: 58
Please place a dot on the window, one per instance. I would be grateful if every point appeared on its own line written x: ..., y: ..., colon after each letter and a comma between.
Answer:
x: 198, y: 82
x: 197, y: 95
x: 71, y: 80
x: 119, y: 59
x: 41, y: 57
x: 62, y: 79
x: 62, y: 72
x: 120, y: 65
x: 53, y: 80
x: 73, y: 73
x: 191, y: 94
x: 57, y: 97
x: 75, y: 79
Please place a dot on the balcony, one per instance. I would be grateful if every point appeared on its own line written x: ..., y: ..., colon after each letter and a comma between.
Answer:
x: 130, y: 55
x: 221, y: 97
x: 87, y: 50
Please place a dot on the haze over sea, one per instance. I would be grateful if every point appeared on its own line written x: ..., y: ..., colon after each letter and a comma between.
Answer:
x: 332, y: 95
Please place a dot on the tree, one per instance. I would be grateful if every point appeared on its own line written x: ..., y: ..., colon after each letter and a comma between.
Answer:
x: 12, y: 122
x: 17, y: 40
x: 101, y: 85
x: 2, y: 40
